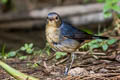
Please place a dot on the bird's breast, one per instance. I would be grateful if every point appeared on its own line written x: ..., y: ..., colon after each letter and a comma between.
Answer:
x: 52, y: 34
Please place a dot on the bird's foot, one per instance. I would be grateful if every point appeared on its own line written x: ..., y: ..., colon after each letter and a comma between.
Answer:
x: 66, y: 71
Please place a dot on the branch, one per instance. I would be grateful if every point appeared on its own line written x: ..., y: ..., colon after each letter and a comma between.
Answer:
x: 68, y: 10
x: 75, y: 14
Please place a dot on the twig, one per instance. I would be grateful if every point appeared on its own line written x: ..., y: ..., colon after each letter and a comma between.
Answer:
x: 62, y: 61
x: 51, y: 57
x: 111, y: 57
x: 95, y: 53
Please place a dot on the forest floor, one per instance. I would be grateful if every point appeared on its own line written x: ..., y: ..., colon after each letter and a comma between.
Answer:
x: 85, y: 66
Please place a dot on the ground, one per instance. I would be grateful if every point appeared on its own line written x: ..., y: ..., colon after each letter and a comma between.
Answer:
x: 85, y: 67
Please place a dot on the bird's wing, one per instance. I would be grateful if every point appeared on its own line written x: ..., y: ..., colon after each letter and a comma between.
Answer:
x: 71, y: 32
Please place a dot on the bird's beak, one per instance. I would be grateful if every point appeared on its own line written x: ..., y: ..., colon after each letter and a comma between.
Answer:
x: 51, y: 19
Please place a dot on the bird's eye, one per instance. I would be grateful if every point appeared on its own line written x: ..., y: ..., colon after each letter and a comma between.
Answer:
x: 57, y: 18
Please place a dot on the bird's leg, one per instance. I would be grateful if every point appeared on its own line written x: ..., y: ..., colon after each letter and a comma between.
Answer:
x: 73, y: 57
x: 69, y: 64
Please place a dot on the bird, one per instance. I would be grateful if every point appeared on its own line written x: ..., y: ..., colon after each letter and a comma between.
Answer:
x: 64, y: 37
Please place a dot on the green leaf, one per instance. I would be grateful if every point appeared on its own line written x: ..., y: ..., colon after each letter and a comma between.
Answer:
x: 119, y: 15
x: 85, y: 46
x: 11, y: 54
x: 107, y: 14
x: 106, y: 8
x: 23, y: 48
x: 95, y: 46
x: 26, y: 46
x: 110, y: 5
x: 35, y: 65
x: 116, y: 8
x: 114, y: 1
x: 30, y: 45
x: 92, y: 42
x: 104, y: 47
x: 112, y: 41
x: 4, y: 1
x: 63, y: 54
x: 99, y: 40
x: 109, y: 2
x: 100, y: 1
x: 22, y: 57
x: 60, y: 54
x: 29, y: 50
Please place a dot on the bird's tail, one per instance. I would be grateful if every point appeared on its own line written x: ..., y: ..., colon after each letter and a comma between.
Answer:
x: 100, y: 37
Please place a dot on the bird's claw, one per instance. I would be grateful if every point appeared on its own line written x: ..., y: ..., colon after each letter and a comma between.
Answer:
x: 66, y: 71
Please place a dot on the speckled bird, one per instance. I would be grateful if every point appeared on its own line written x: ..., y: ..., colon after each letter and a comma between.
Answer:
x: 63, y: 37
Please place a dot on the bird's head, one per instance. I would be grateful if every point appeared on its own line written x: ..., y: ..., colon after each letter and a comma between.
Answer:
x: 54, y: 19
